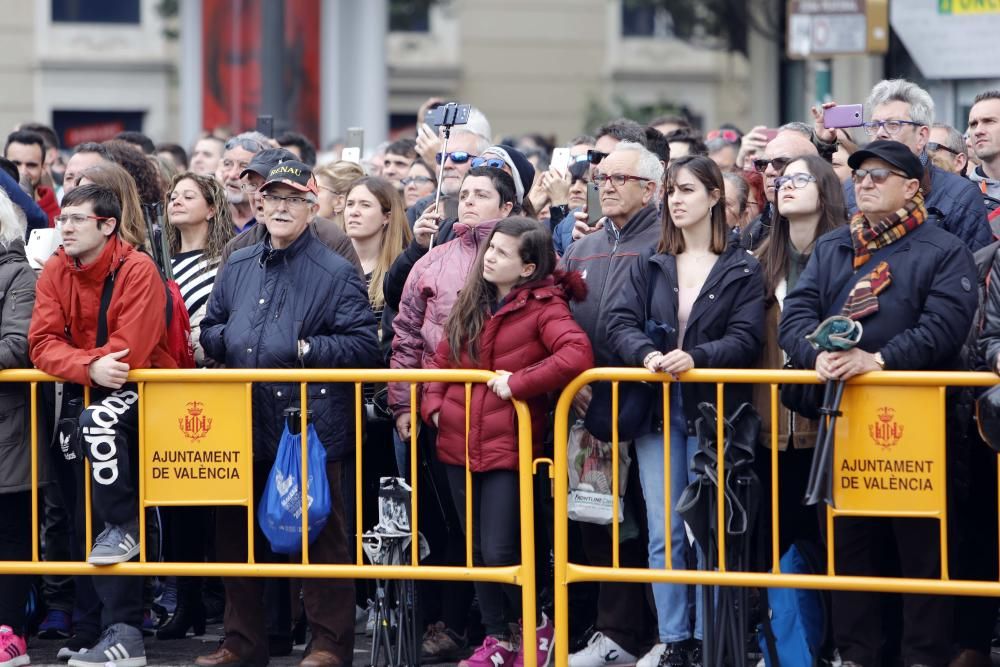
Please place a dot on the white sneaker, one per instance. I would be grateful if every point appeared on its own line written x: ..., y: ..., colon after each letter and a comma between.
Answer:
x: 600, y: 651
x: 652, y: 659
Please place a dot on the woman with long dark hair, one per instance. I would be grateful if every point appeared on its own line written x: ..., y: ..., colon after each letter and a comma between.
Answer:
x: 703, y: 295
x: 808, y: 203
x: 512, y: 314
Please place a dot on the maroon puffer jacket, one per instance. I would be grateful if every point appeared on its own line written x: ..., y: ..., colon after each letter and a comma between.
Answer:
x: 532, y: 335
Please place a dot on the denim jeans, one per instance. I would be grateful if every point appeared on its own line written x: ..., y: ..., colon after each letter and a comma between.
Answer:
x: 673, y: 618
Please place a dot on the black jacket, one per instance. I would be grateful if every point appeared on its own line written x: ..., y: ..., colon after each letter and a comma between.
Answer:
x: 957, y: 199
x: 924, y: 315
x: 725, y: 329
x: 264, y: 301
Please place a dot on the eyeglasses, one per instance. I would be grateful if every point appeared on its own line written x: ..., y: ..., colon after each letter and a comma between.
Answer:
x: 595, y: 157
x: 457, y: 157
x: 798, y: 181
x: 292, y: 202
x: 778, y: 163
x: 248, y: 187
x: 618, y: 180
x: 494, y: 162
x: 730, y: 136
x: 77, y: 219
x: 418, y: 180
x: 934, y: 147
x: 879, y: 176
x: 892, y: 127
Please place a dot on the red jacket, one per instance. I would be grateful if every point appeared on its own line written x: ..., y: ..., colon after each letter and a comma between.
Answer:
x: 47, y: 202
x: 62, y: 340
x: 534, y: 336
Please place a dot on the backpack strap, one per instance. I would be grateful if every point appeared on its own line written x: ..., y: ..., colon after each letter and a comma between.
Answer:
x: 102, y: 313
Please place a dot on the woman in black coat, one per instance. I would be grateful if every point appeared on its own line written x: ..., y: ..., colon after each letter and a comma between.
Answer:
x: 696, y: 302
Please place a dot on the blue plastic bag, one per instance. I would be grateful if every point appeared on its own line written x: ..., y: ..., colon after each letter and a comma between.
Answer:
x: 280, y: 510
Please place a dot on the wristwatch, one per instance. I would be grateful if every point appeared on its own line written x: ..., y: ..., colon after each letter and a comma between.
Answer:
x: 879, y: 360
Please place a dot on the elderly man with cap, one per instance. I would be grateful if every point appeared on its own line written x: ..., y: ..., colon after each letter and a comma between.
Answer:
x: 251, y: 178
x: 289, y: 301
x: 912, y: 286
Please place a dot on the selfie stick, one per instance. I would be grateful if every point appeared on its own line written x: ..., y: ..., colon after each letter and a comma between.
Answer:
x: 444, y: 158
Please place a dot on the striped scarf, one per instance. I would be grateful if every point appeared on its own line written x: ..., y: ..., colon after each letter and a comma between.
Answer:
x: 865, y: 238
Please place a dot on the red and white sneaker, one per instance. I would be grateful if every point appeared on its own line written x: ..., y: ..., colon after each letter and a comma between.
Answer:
x: 493, y: 653
x: 544, y: 637
x: 13, y: 649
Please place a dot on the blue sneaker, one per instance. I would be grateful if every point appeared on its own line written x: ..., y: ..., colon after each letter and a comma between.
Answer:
x: 56, y: 625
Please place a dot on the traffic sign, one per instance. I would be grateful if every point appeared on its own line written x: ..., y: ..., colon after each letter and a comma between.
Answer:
x: 832, y: 27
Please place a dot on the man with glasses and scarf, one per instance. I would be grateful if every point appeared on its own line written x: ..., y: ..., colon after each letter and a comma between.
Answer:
x: 902, y: 111
x: 913, y: 288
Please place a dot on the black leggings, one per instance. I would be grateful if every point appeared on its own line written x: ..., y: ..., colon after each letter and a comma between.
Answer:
x: 496, y: 539
x: 15, y: 544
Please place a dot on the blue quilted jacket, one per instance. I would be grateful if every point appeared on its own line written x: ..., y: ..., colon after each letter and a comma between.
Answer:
x: 264, y: 301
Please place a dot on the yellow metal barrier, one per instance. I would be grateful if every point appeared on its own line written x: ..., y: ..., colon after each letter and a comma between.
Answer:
x: 918, y: 396
x: 173, y: 409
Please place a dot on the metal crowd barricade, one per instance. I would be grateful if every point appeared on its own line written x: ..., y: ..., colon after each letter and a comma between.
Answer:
x: 885, y: 407
x: 210, y: 412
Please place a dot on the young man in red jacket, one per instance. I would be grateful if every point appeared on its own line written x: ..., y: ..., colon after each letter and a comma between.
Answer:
x: 75, y: 336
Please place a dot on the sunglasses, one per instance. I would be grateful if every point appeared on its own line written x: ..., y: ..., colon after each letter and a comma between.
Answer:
x: 879, y: 176
x: 595, y: 157
x: 457, y: 157
x: 934, y: 147
x: 729, y: 136
x: 494, y: 162
x: 779, y: 163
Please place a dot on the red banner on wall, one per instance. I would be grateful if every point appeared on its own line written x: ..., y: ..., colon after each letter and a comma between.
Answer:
x: 231, y: 75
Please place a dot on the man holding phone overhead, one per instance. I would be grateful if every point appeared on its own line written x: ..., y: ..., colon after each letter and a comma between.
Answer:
x: 900, y: 110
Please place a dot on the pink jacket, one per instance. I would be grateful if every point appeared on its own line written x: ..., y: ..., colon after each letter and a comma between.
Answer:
x: 430, y: 292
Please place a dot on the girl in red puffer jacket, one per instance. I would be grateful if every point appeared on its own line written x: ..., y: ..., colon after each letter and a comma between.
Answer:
x: 512, y: 316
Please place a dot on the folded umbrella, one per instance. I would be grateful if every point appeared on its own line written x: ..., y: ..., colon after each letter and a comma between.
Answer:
x: 834, y: 334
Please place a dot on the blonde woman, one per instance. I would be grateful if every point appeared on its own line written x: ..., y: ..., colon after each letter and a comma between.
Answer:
x: 334, y: 180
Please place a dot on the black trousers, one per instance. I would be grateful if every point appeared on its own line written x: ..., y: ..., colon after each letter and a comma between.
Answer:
x: 109, y: 437
x: 797, y: 521
x: 857, y: 616
x: 496, y: 539
x: 15, y: 544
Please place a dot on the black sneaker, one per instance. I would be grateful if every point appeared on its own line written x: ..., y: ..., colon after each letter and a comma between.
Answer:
x: 694, y: 653
x: 673, y: 655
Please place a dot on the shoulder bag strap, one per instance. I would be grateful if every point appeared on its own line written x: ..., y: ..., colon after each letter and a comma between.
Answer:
x: 102, y: 314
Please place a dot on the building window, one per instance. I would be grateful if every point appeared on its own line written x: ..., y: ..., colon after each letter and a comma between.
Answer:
x: 409, y: 15
x: 644, y: 19
x: 95, y: 11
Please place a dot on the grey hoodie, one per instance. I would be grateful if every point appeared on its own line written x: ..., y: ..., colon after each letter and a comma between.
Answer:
x: 992, y: 185
x: 598, y: 256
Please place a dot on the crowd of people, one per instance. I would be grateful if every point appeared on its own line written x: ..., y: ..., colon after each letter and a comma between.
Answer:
x: 646, y: 245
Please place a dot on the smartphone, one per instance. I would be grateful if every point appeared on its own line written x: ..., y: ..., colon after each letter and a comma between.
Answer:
x: 356, y: 139
x: 844, y: 115
x: 770, y: 134
x: 560, y: 159
x: 265, y: 125
x: 42, y: 243
x: 594, y: 213
x: 351, y: 154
